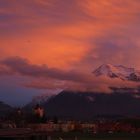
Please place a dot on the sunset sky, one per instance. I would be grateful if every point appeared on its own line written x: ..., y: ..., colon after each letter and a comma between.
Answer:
x: 49, y: 45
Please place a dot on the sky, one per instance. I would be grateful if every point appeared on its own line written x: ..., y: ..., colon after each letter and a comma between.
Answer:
x: 49, y: 45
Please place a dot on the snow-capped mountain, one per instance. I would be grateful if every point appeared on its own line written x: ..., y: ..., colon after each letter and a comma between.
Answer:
x: 118, y: 71
x: 84, y: 104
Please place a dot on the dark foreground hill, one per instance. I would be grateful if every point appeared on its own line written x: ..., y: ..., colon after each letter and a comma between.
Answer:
x: 4, y: 109
x: 86, y: 105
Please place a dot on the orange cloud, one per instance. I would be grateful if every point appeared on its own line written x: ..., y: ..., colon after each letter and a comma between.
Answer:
x: 45, y: 50
x: 47, y: 34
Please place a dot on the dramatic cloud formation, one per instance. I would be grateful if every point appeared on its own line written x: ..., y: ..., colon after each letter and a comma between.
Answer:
x: 52, y: 78
x: 64, y: 40
x: 23, y: 67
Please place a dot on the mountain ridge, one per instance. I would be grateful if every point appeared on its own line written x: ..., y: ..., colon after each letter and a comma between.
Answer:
x: 86, y: 105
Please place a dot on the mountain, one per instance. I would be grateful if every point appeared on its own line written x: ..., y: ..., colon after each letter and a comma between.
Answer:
x: 85, y: 105
x: 117, y: 71
x: 82, y: 105
x: 4, y: 109
x: 111, y: 71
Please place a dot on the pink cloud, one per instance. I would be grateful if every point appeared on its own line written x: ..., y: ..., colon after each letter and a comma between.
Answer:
x: 50, y: 78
